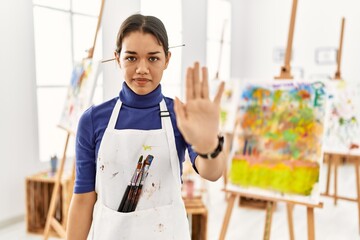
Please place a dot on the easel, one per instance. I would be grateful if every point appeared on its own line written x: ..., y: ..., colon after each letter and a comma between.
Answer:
x: 334, y: 159
x: 333, y: 156
x: 339, y: 54
x: 221, y: 50
x: 51, y: 221
x: 269, y: 211
x: 284, y: 74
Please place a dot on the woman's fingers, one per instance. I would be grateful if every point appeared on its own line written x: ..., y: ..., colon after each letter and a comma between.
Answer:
x: 205, y: 83
x: 189, y: 84
x: 179, y: 110
x: 197, y: 84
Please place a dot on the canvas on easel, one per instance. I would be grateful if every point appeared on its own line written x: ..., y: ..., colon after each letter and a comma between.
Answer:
x: 278, y: 112
x: 229, y: 106
x: 342, y: 135
x: 80, y: 93
x: 277, y: 148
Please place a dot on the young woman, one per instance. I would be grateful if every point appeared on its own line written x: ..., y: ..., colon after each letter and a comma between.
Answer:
x: 141, y: 122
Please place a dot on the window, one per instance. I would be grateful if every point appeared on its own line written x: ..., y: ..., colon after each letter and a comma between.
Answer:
x: 64, y: 30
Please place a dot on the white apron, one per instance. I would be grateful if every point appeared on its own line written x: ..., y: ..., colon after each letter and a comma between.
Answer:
x: 160, y: 213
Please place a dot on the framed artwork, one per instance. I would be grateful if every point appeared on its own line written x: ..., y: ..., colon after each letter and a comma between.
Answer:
x: 279, y: 54
x: 277, y: 148
x: 80, y: 93
x: 342, y: 134
x: 326, y: 55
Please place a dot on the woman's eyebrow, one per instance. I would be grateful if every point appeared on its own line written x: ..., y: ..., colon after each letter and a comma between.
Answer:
x: 152, y: 53
x: 130, y: 52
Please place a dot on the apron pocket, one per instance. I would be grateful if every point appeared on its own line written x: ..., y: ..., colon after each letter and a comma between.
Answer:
x: 154, y: 223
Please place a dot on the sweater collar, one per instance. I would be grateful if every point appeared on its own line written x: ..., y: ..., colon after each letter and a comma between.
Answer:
x: 131, y: 99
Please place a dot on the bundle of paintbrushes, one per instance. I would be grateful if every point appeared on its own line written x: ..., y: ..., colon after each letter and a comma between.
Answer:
x: 133, y: 190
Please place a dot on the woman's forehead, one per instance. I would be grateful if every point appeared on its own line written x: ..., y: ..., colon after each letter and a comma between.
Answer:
x: 141, y: 40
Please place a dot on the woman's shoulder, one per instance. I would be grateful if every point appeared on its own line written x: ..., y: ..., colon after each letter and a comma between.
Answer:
x: 104, y: 107
x: 99, y: 112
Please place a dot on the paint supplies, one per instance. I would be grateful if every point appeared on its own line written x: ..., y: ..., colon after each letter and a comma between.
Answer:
x: 133, y: 190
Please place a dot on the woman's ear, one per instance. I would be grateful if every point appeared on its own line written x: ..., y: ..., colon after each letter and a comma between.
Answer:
x: 167, y: 59
x: 117, y: 57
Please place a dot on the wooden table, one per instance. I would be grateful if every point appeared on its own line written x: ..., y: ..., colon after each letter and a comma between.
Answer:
x: 198, y: 213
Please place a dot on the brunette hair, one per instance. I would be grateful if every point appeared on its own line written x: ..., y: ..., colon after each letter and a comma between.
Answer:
x: 145, y: 24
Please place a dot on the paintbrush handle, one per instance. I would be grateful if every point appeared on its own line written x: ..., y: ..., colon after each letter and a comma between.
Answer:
x: 136, y: 198
x: 123, y: 200
x: 126, y: 207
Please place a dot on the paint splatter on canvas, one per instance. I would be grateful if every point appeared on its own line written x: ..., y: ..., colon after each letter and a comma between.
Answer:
x: 80, y: 93
x: 277, y: 149
x: 229, y: 106
x: 343, y: 127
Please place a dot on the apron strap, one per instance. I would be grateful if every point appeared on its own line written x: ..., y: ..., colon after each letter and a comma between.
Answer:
x: 167, y: 126
x: 114, y: 115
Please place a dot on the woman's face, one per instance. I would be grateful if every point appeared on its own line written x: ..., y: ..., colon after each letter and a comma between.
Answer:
x: 142, y: 61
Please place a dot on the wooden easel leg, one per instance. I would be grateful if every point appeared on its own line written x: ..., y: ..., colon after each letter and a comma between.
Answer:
x: 228, y: 143
x: 229, y: 209
x: 328, y: 176
x: 311, y: 224
x: 358, y: 188
x: 336, y: 164
x: 268, y: 219
x: 54, y: 197
x: 289, y: 208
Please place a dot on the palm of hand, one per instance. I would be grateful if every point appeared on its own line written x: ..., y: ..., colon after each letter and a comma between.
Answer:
x: 198, y: 118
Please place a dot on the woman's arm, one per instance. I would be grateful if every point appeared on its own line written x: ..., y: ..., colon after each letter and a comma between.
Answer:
x: 211, y: 169
x: 198, y: 121
x: 80, y: 215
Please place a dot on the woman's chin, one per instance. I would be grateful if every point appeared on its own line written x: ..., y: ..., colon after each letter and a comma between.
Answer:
x: 141, y: 90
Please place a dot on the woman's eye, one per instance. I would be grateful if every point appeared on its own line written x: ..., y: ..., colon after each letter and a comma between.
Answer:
x: 131, y: 59
x: 153, y: 59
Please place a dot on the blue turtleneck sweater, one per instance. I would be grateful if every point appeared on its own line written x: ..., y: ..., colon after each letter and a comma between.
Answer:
x: 135, y: 108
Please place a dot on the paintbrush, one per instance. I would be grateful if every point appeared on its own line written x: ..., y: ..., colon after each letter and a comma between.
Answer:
x: 130, y: 199
x: 138, y: 188
x: 132, y: 182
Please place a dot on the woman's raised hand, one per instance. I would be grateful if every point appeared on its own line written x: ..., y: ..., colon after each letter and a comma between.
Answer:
x: 198, y: 118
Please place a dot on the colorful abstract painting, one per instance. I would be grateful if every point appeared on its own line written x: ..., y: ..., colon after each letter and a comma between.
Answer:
x: 343, y: 127
x: 277, y: 148
x: 229, y: 106
x: 80, y: 93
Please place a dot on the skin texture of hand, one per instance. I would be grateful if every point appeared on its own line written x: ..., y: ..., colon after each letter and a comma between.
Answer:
x: 198, y: 117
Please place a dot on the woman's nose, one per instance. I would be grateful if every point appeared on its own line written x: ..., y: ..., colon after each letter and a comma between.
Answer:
x: 142, y: 67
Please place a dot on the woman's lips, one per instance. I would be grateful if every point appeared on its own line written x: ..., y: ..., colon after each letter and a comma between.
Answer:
x: 141, y: 81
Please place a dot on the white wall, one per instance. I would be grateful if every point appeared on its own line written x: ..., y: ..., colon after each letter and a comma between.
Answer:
x: 261, y: 25
x: 18, y: 123
x: 194, y: 33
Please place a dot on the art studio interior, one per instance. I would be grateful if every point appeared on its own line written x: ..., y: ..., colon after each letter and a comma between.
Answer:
x: 287, y: 120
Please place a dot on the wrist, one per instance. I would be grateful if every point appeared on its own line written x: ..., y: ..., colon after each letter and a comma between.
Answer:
x: 215, y: 150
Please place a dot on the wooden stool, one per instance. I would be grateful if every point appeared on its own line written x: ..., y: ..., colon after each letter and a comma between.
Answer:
x: 38, y: 195
x: 198, y: 213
